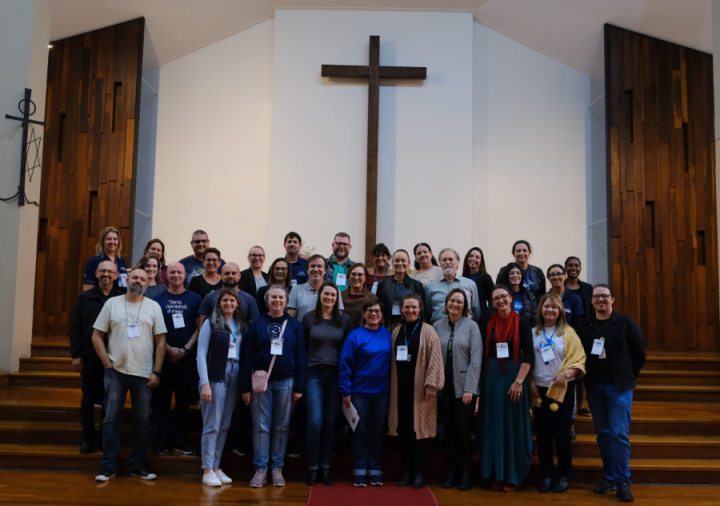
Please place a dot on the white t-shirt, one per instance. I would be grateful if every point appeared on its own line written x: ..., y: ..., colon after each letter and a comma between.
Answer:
x: 545, y: 373
x: 132, y: 356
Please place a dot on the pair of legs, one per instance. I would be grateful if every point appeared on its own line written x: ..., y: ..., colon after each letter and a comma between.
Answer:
x: 172, y: 425
x: 217, y: 415
x: 93, y: 390
x: 414, y: 451
x: 271, y: 411
x: 457, y: 421
x: 322, y: 402
x: 553, y: 432
x: 117, y: 385
x: 367, y: 438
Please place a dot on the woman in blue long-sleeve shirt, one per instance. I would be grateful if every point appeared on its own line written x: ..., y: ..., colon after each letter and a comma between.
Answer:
x: 365, y: 382
x: 271, y: 409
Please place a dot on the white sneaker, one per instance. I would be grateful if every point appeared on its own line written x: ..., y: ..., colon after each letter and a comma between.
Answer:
x: 211, y: 479
x: 224, y: 478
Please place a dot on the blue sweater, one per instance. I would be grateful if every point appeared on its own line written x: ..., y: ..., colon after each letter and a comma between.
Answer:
x: 365, y: 363
x: 257, y: 357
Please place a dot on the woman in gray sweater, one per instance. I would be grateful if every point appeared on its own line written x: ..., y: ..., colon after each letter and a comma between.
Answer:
x: 462, y: 351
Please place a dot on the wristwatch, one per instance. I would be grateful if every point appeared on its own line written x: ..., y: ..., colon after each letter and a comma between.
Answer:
x: 185, y: 349
x: 519, y: 381
x: 156, y: 373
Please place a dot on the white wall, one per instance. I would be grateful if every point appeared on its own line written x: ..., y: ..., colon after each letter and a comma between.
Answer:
x: 213, y: 145
x: 530, y: 153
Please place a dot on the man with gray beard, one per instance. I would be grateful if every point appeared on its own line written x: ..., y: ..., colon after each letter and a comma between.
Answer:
x: 136, y: 329
x: 436, y: 291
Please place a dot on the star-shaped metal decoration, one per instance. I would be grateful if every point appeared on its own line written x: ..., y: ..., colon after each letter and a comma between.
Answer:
x: 32, y: 148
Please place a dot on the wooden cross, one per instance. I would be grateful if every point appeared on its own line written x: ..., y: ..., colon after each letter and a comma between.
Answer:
x: 373, y: 73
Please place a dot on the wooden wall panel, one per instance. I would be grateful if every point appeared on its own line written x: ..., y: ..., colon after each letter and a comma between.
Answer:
x: 661, y: 189
x: 89, y: 161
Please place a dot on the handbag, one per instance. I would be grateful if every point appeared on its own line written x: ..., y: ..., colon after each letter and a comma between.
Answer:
x: 260, y: 378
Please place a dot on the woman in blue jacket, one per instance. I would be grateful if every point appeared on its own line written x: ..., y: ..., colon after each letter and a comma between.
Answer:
x: 271, y: 409
x: 365, y: 382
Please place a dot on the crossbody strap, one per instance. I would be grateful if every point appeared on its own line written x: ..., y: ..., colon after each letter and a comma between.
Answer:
x: 272, y: 362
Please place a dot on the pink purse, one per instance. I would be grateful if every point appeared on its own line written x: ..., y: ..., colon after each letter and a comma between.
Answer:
x: 260, y: 378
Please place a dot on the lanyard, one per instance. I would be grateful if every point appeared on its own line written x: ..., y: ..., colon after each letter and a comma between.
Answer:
x: 549, y: 340
x: 127, y: 317
x: 411, y: 333
x: 452, y: 334
x: 233, y: 330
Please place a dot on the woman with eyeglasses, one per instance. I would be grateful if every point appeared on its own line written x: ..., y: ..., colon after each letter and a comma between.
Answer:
x: 504, y: 435
x: 574, y: 310
x: 391, y: 290
x: 358, y: 292
x: 426, y: 267
x: 209, y: 280
x: 532, y: 277
x: 524, y: 302
x: 278, y: 274
x: 474, y: 269
x: 381, y: 270
x: 365, y: 384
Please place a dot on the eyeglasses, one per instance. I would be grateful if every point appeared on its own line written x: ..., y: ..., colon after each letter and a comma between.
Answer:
x: 280, y: 269
x: 257, y: 255
x: 357, y: 275
x: 373, y: 311
x: 211, y: 260
x: 106, y: 271
x: 342, y: 244
x: 556, y: 275
x: 500, y: 297
x: 601, y: 297
x: 201, y: 241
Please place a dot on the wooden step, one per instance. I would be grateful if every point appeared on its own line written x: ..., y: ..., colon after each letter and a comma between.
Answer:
x: 654, y: 471
x: 46, y: 364
x: 682, y: 361
x: 672, y: 393
x: 45, y: 379
x: 656, y: 447
x: 678, y: 378
x: 50, y: 346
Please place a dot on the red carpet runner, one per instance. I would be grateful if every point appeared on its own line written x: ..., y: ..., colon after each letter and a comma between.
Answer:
x: 390, y: 493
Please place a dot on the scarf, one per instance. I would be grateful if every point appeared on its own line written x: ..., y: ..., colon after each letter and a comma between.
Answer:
x: 505, y: 329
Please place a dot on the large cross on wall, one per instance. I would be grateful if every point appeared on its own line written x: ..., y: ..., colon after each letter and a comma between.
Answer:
x: 373, y: 73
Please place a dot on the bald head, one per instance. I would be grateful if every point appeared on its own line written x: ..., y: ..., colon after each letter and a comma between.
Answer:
x: 106, y: 274
x: 230, y: 275
x: 176, y: 276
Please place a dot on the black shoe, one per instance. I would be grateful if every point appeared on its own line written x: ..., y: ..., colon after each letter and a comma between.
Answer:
x: 324, y: 477
x: 584, y: 412
x: 141, y: 472
x: 184, y: 448
x: 312, y: 478
x: 105, y: 474
x: 562, y: 485
x: 623, y: 493
x: 449, y: 479
x: 87, y: 447
x: 605, y: 487
x: 545, y: 485
x: 406, y: 480
x: 573, y: 437
x: 465, y: 480
x: 159, y: 449
x: 419, y: 481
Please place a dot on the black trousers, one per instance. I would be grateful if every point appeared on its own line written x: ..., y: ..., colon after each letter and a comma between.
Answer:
x: 414, y: 450
x: 176, y: 378
x: 554, y: 427
x: 457, y: 420
x: 298, y: 424
x: 93, y: 390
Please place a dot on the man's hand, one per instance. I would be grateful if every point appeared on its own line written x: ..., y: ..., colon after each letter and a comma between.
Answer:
x: 153, y: 381
x: 77, y: 364
x: 296, y: 397
x: 175, y: 354
x: 247, y: 397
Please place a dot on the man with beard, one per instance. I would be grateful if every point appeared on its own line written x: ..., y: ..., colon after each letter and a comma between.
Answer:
x: 230, y: 277
x: 84, y: 358
x: 339, y: 262
x: 136, y: 330
x: 436, y: 291
x: 303, y: 298
x: 194, y: 263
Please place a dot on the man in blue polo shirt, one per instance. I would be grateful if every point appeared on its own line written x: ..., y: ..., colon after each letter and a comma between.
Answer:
x: 194, y: 263
x: 298, y: 265
x: 230, y: 277
x: 339, y: 262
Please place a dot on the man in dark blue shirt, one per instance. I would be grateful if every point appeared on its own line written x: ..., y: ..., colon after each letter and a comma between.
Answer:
x: 230, y: 277
x: 298, y: 265
x: 180, y: 308
x: 194, y: 263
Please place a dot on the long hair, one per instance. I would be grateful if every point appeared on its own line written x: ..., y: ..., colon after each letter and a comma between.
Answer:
x: 504, y: 276
x: 288, y: 278
x: 335, y: 318
x: 562, y: 317
x: 217, y: 318
x: 101, y: 241
x: 163, y: 264
x: 432, y: 257
x: 466, y: 268
x: 144, y: 261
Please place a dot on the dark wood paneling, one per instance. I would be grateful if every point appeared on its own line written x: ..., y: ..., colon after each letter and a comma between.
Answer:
x: 661, y: 181
x: 90, y: 155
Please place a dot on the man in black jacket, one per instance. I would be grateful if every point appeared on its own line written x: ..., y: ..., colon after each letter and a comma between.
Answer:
x: 584, y: 290
x: 615, y: 354
x: 84, y: 359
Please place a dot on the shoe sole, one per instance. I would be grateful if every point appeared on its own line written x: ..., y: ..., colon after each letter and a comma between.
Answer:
x: 184, y: 452
x: 278, y: 484
x: 212, y: 484
x: 104, y: 478
x: 149, y: 477
x: 377, y: 484
x: 360, y: 484
x: 257, y: 486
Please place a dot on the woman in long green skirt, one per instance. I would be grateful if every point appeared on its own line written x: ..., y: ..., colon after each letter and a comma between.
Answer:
x: 503, y: 434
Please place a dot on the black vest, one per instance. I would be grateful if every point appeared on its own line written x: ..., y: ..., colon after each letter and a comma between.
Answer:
x: 217, y: 353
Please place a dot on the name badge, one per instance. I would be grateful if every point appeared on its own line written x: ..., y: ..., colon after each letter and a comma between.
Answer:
x: 547, y: 354
x: 598, y: 346
x: 122, y: 280
x: 133, y: 330
x: 396, y: 309
x: 374, y: 288
x: 341, y: 280
x: 276, y: 347
x: 502, y: 350
x: 294, y: 282
x: 178, y: 321
x: 402, y: 354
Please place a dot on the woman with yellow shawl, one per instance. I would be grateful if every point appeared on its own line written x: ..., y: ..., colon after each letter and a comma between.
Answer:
x: 559, y: 360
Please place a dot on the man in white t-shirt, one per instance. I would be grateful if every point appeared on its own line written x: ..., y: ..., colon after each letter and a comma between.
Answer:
x: 136, y: 329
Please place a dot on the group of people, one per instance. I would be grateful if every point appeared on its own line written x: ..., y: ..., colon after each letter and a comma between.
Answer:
x: 399, y: 347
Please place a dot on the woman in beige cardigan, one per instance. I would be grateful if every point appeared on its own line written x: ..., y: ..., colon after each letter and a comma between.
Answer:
x: 416, y: 375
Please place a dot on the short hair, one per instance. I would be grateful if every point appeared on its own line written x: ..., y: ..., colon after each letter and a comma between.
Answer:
x: 212, y: 250
x: 260, y: 247
x: 466, y: 310
x: 144, y: 261
x: 99, y: 247
x: 283, y: 288
x: 414, y: 296
x: 317, y: 256
x: 292, y: 235
x: 381, y: 249
x: 521, y: 241
x: 163, y: 264
x: 335, y: 318
x: 562, y: 317
x: 572, y: 258
x: 271, y: 273
x: 466, y: 267
x: 200, y: 232
x: 499, y: 286
x: 445, y: 250
x: 370, y: 302
x: 432, y: 257
x: 603, y: 285
x: 504, y: 276
x: 342, y: 234
x: 553, y: 266
x: 358, y: 265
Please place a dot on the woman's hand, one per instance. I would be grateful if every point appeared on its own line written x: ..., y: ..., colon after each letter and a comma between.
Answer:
x: 515, y: 391
x: 467, y: 398
x: 534, y: 390
x: 346, y: 401
x: 560, y: 379
x: 206, y: 393
x: 296, y: 397
x: 247, y: 397
x: 429, y: 395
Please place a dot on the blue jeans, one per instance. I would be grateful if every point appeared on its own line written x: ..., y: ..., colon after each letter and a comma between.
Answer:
x: 271, y: 412
x: 611, y: 411
x: 117, y: 385
x: 217, y: 415
x: 322, y: 396
x: 367, y: 438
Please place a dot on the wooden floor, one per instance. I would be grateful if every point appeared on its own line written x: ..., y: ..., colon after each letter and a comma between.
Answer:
x: 27, y: 488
